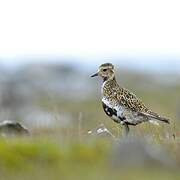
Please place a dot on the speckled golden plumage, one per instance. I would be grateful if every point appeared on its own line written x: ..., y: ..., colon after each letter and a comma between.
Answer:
x: 120, y: 104
x: 122, y: 96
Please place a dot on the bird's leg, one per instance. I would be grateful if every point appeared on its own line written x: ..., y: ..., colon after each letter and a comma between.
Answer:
x: 125, y: 130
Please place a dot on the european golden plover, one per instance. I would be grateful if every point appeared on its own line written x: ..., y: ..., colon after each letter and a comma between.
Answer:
x: 120, y: 104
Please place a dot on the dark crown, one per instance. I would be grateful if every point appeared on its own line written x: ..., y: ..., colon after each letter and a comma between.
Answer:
x: 107, y: 65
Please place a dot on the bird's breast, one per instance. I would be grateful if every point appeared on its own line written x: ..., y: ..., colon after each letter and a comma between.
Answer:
x: 113, y: 110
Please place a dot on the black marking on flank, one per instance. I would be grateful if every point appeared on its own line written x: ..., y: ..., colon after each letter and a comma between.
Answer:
x: 131, y: 124
x: 112, y: 113
x: 109, y: 111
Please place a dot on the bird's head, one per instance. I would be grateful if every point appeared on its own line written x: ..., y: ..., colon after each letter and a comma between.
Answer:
x: 106, y: 71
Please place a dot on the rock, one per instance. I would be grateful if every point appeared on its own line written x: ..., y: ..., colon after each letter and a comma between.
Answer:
x: 10, y: 128
x: 101, y: 131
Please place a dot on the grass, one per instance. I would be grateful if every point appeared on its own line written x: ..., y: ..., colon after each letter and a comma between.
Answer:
x: 53, y: 155
x: 49, y: 157
x: 69, y: 153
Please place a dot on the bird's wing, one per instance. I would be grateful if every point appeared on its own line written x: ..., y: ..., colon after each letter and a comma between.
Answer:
x: 130, y: 101
x: 154, y: 115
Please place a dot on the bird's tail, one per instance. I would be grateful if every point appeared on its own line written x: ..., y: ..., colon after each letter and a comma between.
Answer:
x: 165, y: 120
x: 154, y: 115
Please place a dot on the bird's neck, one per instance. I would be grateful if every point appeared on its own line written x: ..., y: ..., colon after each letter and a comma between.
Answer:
x: 108, y: 86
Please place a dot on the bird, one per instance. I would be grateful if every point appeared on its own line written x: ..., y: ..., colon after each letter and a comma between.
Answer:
x: 120, y: 104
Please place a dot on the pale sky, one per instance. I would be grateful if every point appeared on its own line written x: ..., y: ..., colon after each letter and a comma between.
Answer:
x: 89, y: 28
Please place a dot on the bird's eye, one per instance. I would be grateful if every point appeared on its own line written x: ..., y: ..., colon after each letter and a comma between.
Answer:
x: 104, y: 70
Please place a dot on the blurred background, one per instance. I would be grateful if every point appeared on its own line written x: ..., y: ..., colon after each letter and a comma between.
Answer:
x: 49, y: 50
x: 52, y: 92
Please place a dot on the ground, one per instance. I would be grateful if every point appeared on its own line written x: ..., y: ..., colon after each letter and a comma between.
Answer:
x: 54, y: 155
x: 67, y: 151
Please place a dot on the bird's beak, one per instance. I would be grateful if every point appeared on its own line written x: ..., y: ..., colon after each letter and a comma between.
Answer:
x: 94, y: 75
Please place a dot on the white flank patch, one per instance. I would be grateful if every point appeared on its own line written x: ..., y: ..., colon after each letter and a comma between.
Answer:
x: 106, y: 102
x: 120, y: 110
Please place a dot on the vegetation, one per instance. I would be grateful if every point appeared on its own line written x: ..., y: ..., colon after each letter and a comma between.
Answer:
x: 67, y: 151
x: 57, y: 157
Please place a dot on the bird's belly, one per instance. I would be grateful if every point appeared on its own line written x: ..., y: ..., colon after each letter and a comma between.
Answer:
x: 120, y: 114
x: 114, y: 112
